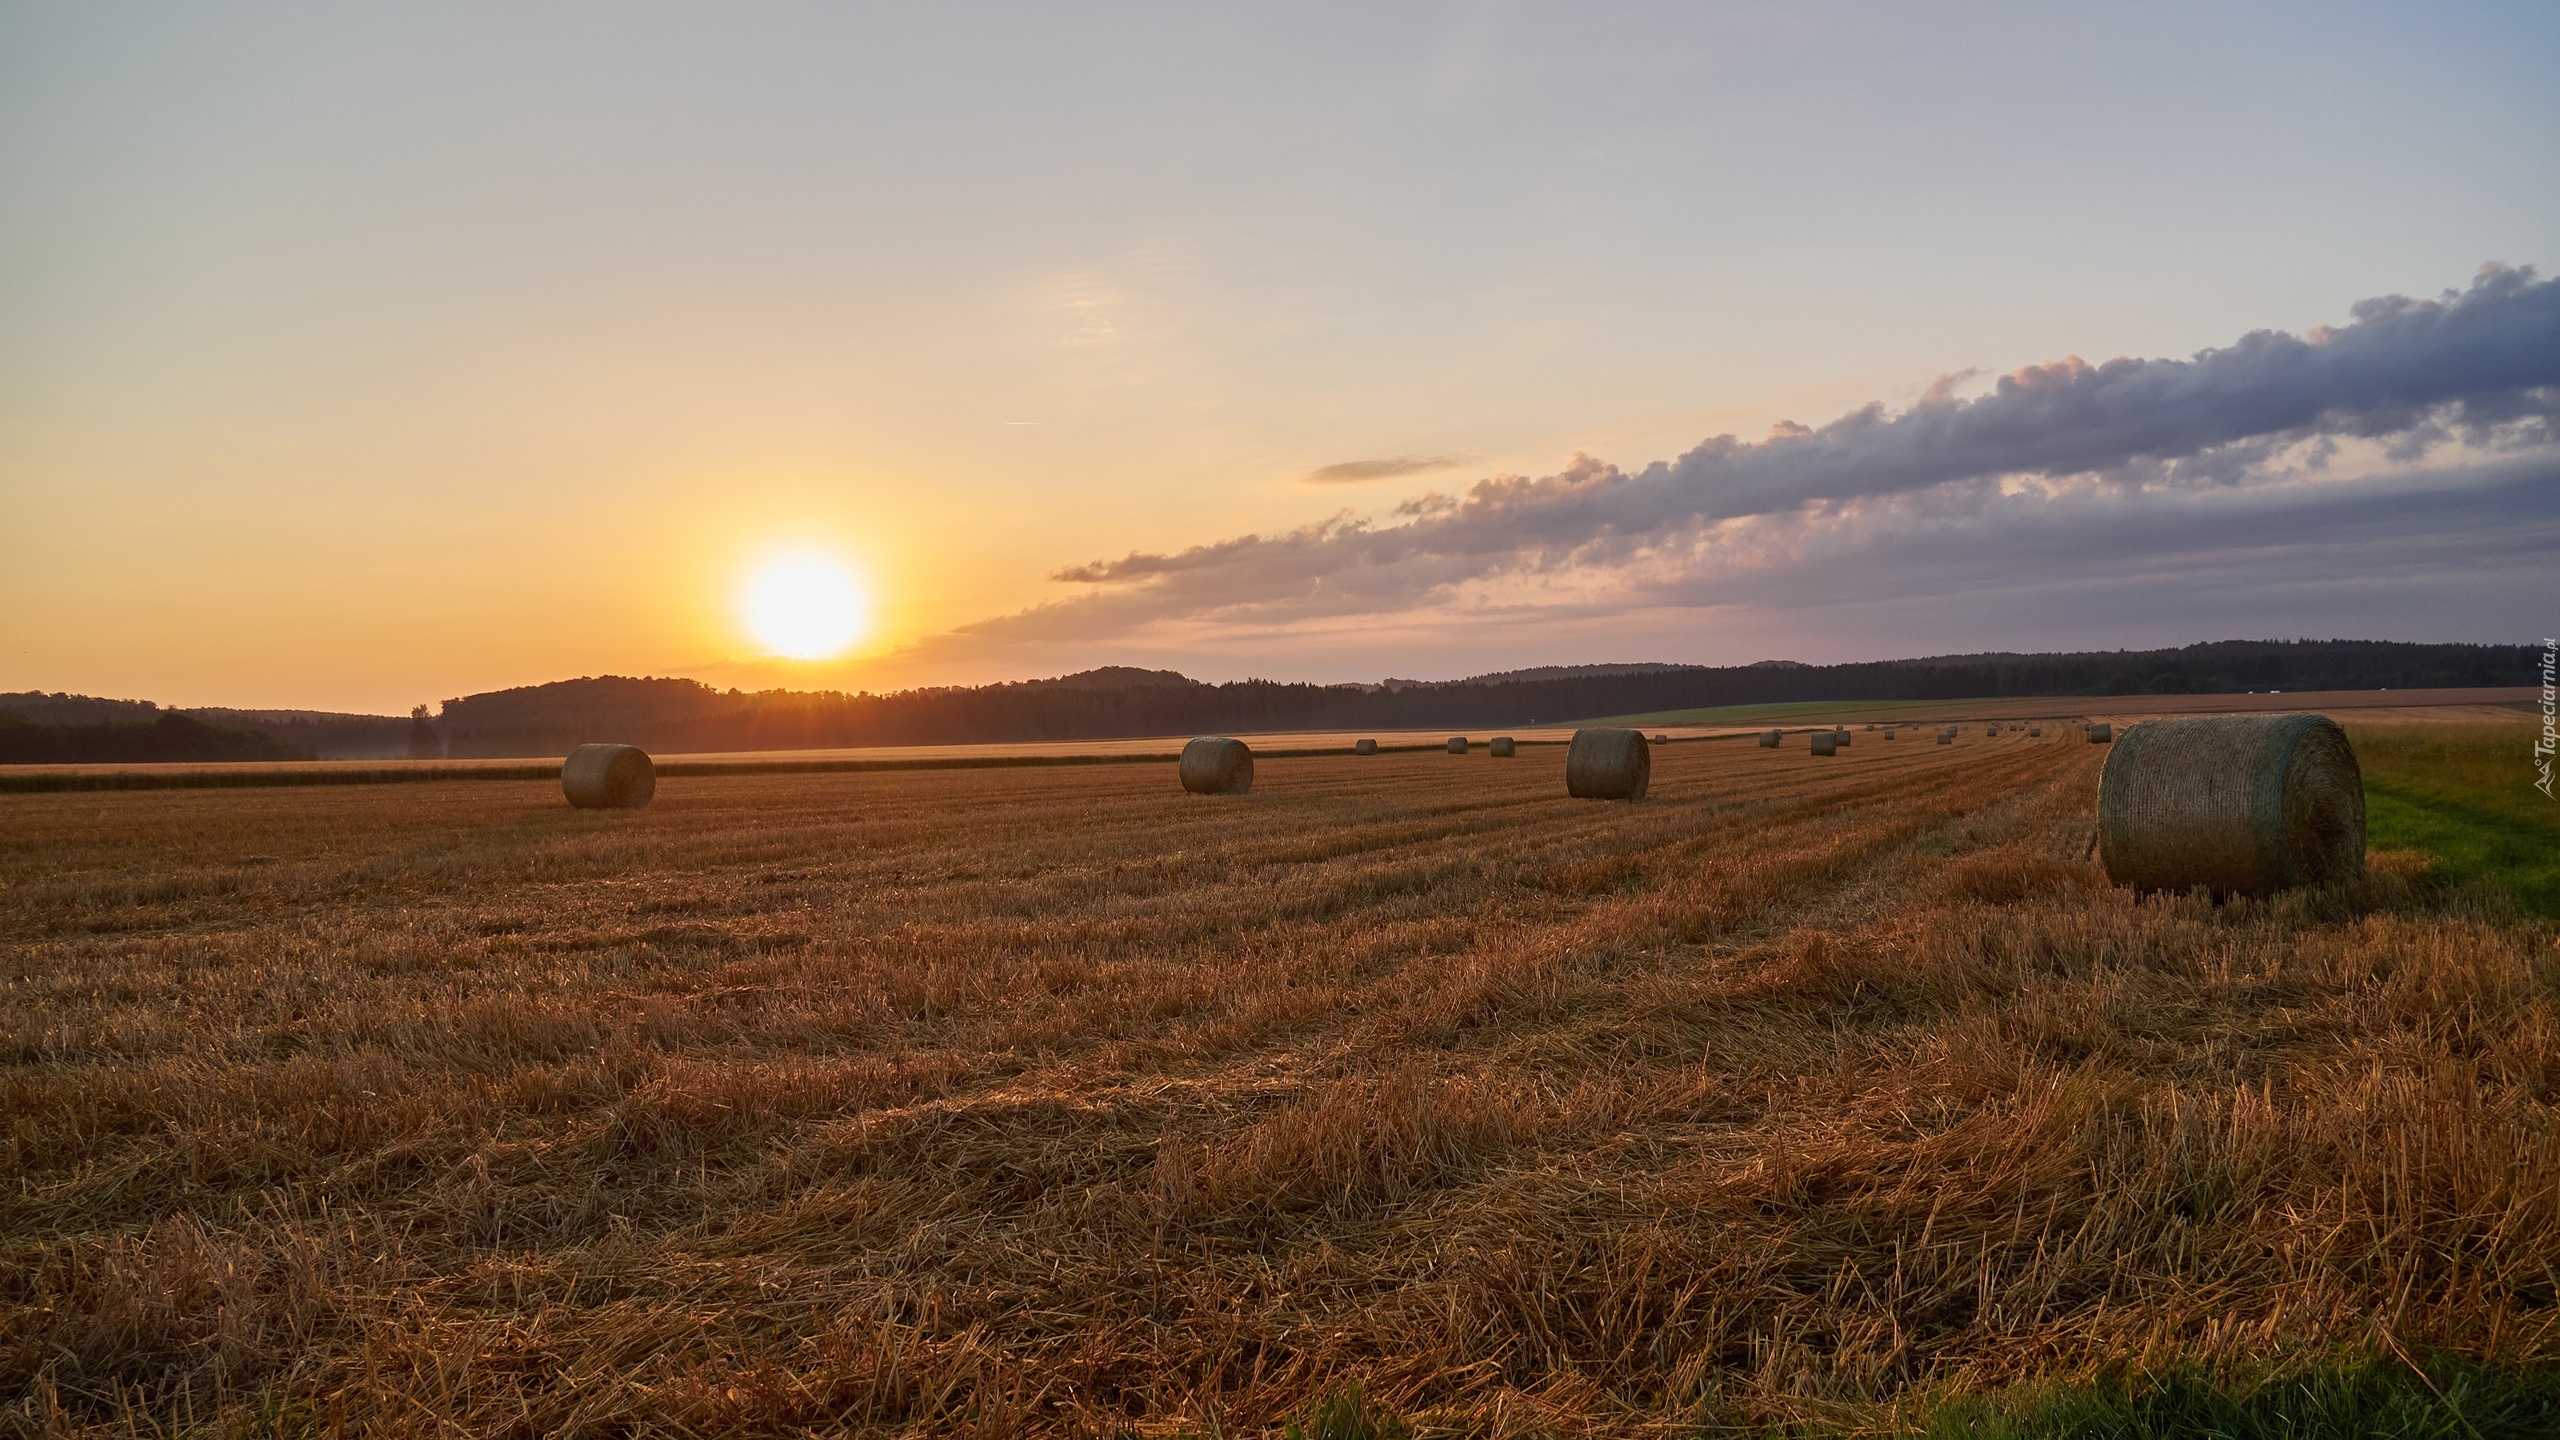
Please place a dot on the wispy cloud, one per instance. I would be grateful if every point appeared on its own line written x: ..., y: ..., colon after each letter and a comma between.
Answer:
x: 2140, y: 470
x: 1354, y: 471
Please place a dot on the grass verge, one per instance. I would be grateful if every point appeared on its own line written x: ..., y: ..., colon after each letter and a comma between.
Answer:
x: 2464, y: 796
x: 2447, y: 1398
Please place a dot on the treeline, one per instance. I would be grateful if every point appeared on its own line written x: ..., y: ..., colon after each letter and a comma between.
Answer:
x: 330, y: 735
x: 684, y: 715
x: 169, y: 736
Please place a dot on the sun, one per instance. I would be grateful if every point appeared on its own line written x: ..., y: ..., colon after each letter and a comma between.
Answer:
x: 805, y: 607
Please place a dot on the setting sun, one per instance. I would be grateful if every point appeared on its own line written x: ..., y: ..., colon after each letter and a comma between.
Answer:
x: 805, y: 607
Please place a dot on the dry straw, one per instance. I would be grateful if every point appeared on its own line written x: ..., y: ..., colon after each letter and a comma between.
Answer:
x: 1770, y: 739
x: 1608, y: 764
x: 1826, y: 742
x: 1217, y: 766
x: 1499, y: 747
x: 1364, y: 747
x: 608, y: 777
x: 2102, y: 733
x: 2240, y: 804
x: 1457, y: 744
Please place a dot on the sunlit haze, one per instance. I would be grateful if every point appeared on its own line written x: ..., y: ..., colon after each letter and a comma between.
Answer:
x: 804, y: 607
x: 358, y: 356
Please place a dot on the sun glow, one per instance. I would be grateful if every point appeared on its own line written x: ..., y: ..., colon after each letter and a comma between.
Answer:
x: 805, y: 607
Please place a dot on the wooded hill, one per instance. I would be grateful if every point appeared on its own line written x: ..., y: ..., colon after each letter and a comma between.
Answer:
x: 37, y: 728
x: 1120, y: 701
x: 684, y: 715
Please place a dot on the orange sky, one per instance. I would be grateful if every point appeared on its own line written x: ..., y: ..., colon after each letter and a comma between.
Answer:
x: 352, y: 361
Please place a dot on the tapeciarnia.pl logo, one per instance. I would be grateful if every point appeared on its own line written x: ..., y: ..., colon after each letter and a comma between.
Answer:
x: 2543, y: 746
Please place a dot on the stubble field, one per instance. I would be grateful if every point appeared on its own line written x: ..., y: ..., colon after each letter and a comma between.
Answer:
x: 1060, y: 1102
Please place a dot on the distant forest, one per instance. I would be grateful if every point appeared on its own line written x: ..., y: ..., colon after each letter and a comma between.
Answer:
x: 1120, y: 702
x: 168, y: 736
x: 685, y: 715
x: 36, y: 728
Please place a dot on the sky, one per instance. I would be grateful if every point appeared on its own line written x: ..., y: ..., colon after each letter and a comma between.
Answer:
x: 356, y: 357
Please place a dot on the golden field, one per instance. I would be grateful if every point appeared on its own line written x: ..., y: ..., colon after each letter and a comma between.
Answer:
x: 1059, y: 1102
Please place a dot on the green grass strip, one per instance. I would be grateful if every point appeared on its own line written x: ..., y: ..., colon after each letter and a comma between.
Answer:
x: 2448, y: 1400
x: 2464, y: 796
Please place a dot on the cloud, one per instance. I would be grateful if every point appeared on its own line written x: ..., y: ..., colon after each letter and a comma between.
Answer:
x: 2128, y: 469
x: 1351, y: 472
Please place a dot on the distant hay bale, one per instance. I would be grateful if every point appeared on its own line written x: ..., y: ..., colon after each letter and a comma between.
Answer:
x: 1364, y: 747
x: 1888, y: 732
x: 1608, y: 764
x: 2240, y: 804
x: 2101, y: 733
x: 1499, y: 747
x: 1661, y: 739
x: 1457, y: 744
x: 1212, y: 765
x: 1840, y: 736
x: 2035, y: 732
x: 1871, y: 727
x: 1826, y: 742
x: 608, y: 777
x: 1946, y: 737
x: 1771, y: 739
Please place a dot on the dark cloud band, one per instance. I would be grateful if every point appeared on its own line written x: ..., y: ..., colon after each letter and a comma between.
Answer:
x: 2154, y: 440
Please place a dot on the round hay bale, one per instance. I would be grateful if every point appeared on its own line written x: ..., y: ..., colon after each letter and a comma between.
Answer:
x: 1608, y: 764
x: 1840, y: 736
x: 2102, y: 733
x: 2240, y: 804
x: 1946, y: 737
x: 1215, y: 766
x: 1499, y: 747
x: 1771, y: 739
x: 1661, y: 739
x: 608, y: 777
x: 1826, y: 742
x: 1364, y: 747
x: 1871, y: 727
x: 2035, y: 732
x: 1457, y: 744
x: 1888, y: 732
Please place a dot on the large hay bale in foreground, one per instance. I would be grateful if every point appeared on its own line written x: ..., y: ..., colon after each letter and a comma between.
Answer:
x: 1364, y: 747
x: 1771, y: 739
x: 608, y: 777
x: 1607, y: 764
x: 1457, y: 744
x: 1499, y: 747
x: 2240, y: 804
x: 1826, y: 742
x: 2102, y: 734
x: 1212, y: 765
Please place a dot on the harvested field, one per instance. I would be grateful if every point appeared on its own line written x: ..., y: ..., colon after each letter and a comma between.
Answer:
x: 1056, y: 1101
